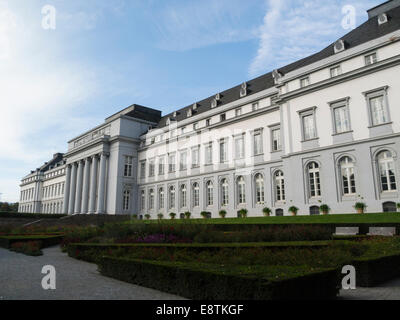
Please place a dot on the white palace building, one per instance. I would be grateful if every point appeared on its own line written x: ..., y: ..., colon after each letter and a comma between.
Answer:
x: 322, y: 130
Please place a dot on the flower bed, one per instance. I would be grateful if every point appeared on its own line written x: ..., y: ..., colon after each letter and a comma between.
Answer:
x: 31, y: 248
x: 45, y: 240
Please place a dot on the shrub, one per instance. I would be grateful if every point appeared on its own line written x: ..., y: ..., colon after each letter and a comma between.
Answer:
x: 160, y: 216
x: 293, y: 210
x: 324, y: 208
x: 31, y: 248
x: 147, y: 216
x: 134, y: 216
x: 187, y: 215
x: 222, y: 213
x: 206, y: 214
x: 242, y: 213
x: 172, y: 215
x: 398, y: 205
x: 266, y: 212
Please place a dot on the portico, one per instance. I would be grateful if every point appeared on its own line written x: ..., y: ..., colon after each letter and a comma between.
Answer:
x: 86, y: 185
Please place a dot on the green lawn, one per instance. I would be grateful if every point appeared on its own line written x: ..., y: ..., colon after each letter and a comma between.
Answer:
x: 332, y: 218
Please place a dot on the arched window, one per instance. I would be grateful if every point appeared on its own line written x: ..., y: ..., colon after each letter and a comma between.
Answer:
x: 171, y: 197
x: 241, y: 188
x: 347, y: 173
x: 151, y: 199
x: 126, y: 200
x: 279, y: 186
x: 386, y: 171
x: 259, y: 183
x: 279, y: 212
x: 224, y: 192
x: 161, y: 198
x: 196, y: 195
x: 314, y: 210
x: 314, y: 180
x: 389, y: 207
x: 143, y: 200
x: 183, y: 196
x: 209, y: 193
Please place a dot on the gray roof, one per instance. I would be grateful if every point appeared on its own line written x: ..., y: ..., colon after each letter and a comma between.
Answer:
x: 368, y: 31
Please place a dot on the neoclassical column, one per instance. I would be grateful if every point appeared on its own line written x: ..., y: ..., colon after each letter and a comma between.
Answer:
x: 66, y: 189
x: 93, y: 185
x: 102, y: 184
x: 85, y: 191
x: 78, y: 196
x: 71, y: 204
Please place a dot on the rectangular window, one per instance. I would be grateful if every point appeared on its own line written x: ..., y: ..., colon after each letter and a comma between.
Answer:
x: 161, y: 166
x: 341, y: 119
x: 142, y: 169
x: 183, y: 161
x: 151, y: 168
x: 255, y: 106
x: 195, y: 126
x: 208, y: 122
x: 257, y: 143
x: 309, y: 127
x: 276, y: 139
x: 208, y: 154
x: 183, y: 129
x: 238, y: 112
x: 126, y: 200
x: 128, y: 166
x: 304, y: 82
x: 378, y: 110
x: 223, y: 117
x: 223, y: 150
x: 335, y: 71
x: 171, y: 163
x: 239, y: 147
x: 195, y: 157
x: 370, y: 59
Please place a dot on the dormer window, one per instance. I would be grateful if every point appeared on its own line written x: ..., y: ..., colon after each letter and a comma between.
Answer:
x: 168, y: 121
x: 382, y: 18
x: 218, y: 97
x: 277, y: 76
x: 175, y: 114
x: 214, y: 103
x: 339, y: 46
x: 195, y: 106
x: 243, y: 90
x: 189, y: 113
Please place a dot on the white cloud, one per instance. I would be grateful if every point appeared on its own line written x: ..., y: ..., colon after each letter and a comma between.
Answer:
x: 294, y: 29
x: 190, y: 25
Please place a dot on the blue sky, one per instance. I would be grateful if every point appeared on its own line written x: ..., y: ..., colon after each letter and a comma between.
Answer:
x: 105, y: 55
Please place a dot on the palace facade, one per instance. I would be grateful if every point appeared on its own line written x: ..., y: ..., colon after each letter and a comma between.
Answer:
x: 322, y: 130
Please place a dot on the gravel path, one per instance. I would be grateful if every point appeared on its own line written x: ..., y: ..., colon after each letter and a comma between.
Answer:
x: 21, y: 277
x: 386, y: 291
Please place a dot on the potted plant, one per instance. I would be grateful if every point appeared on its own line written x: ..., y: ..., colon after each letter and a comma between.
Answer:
x: 187, y: 215
x: 398, y: 206
x: 147, y: 216
x: 267, y: 212
x: 360, y: 207
x: 172, y: 215
x: 242, y: 213
x: 134, y: 216
x: 160, y: 216
x: 205, y: 214
x: 293, y: 210
x: 324, y: 209
x: 222, y: 213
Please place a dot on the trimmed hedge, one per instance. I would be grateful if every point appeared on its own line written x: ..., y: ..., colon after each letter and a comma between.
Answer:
x: 46, y: 241
x: 31, y: 215
x: 189, y: 281
x: 92, y: 251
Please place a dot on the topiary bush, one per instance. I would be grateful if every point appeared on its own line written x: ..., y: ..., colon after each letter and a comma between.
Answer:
x: 172, y: 215
x: 222, y: 213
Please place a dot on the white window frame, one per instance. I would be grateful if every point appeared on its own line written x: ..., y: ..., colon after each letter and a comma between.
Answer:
x: 314, y: 179
x: 258, y: 132
x: 372, y: 94
x: 388, y: 164
x: 241, y: 190
x: 239, y: 150
x: 336, y: 105
x: 259, y: 188
x: 370, y: 58
x: 279, y: 183
x: 128, y: 168
x: 223, y: 150
x: 335, y: 74
x: 349, y: 171
x: 311, y: 112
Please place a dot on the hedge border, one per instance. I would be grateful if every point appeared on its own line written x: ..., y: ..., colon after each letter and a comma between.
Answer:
x: 203, y: 285
x: 46, y: 241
